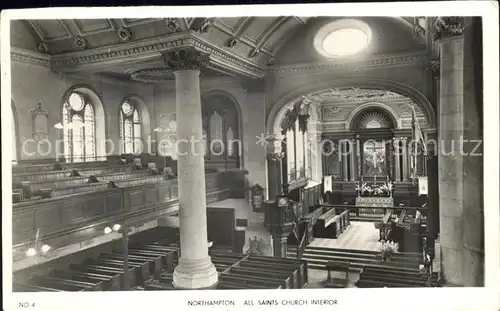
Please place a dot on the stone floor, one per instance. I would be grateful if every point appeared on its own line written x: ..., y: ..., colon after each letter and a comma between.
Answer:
x: 359, y: 235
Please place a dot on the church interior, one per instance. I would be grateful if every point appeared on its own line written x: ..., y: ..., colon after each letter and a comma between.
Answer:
x: 246, y: 153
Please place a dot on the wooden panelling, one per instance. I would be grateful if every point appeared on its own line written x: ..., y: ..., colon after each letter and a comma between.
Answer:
x: 68, y: 215
x: 163, y: 193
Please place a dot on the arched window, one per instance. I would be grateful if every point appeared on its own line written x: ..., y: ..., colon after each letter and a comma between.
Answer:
x: 130, y: 128
x: 78, y: 129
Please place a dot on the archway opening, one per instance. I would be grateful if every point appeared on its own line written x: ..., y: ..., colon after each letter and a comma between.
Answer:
x: 222, y: 141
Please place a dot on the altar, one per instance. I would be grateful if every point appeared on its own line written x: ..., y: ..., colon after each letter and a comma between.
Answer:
x: 373, y: 205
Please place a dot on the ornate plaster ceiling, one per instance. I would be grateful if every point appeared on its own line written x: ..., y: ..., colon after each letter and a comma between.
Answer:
x: 238, y: 45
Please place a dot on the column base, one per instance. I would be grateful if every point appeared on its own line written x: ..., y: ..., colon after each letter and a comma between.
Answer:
x: 195, y: 274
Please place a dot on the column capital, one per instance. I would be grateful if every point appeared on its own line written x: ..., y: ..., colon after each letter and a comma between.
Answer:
x: 448, y: 27
x: 188, y: 58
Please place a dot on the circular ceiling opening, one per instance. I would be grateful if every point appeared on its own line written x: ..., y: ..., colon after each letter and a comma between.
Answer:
x: 342, y: 38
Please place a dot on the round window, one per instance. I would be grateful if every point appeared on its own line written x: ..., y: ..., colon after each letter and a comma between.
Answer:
x: 76, y: 101
x: 342, y: 38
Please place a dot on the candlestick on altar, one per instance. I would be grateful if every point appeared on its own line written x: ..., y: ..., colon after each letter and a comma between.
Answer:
x: 375, y: 178
x: 387, y: 177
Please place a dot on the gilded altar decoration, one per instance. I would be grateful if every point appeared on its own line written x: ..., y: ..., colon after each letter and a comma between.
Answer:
x: 363, y: 189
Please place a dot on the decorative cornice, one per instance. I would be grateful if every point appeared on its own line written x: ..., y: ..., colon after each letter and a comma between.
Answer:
x: 220, y: 59
x: 352, y: 64
x: 29, y: 57
x: 187, y: 58
x: 449, y: 26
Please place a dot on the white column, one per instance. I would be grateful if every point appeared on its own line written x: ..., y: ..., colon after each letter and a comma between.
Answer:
x: 195, y: 269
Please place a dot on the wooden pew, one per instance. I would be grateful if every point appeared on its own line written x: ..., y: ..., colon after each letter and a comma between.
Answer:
x: 142, y: 265
x: 32, y: 168
x: 138, y: 181
x: 251, y: 281
x: 105, y: 282
x: 123, y: 175
x: 61, y: 285
x: 41, y: 176
x: 89, y: 171
x: 60, y: 191
x: 391, y: 277
x: 299, y: 265
x: 172, y: 254
x: 293, y: 271
x: 33, y: 187
x: 19, y: 287
x: 110, y: 270
x: 84, y: 285
x: 156, y: 260
x: 337, y: 266
x: 167, y: 257
x: 231, y: 284
x: 284, y: 277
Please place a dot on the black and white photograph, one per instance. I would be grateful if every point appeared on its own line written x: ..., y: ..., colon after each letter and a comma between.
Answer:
x: 247, y: 152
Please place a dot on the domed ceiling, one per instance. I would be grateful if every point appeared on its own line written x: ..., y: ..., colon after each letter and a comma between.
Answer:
x: 244, y: 46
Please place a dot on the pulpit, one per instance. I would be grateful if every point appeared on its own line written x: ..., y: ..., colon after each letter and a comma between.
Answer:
x: 280, y: 222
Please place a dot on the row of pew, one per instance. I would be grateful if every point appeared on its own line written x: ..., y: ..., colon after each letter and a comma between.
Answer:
x: 152, y: 265
x: 106, y: 273
x: 373, y: 277
x: 238, y: 271
x: 49, y: 184
x: 331, y: 224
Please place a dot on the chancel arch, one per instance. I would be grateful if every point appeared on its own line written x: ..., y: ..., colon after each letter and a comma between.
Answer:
x: 134, y: 125
x: 83, y: 129
x: 278, y: 110
x: 222, y: 141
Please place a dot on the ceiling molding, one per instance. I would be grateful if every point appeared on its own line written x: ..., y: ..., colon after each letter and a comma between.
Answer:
x: 29, y: 57
x: 151, y: 48
x: 394, y: 60
x: 44, y: 38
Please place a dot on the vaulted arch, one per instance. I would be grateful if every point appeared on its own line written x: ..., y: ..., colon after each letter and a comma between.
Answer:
x: 279, y: 109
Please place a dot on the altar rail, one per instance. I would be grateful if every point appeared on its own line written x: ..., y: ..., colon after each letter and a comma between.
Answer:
x: 355, y: 210
x: 77, y: 217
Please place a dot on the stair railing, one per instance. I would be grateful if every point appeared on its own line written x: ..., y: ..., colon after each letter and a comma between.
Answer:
x: 302, y: 244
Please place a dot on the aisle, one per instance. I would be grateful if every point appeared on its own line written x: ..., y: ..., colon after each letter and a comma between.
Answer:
x: 359, y: 235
